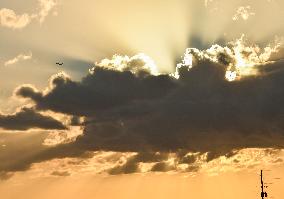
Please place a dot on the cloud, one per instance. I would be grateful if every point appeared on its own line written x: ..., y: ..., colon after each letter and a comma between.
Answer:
x: 98, y: 91
x: 240, y: 58
x: 9, y: 18
x: 45, y: 7
x: 118, y: 163
x: 131, y: 165
x: 20, y: 57
x: 243, y: 12
x: 163, y: 113
x: 279, y: 53
x: 139, y: 64
x: 130, y: 109
x: 69, y: 135
x: 26, y: 119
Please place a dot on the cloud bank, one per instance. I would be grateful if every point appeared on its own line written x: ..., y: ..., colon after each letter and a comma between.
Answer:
x: 129, y: 108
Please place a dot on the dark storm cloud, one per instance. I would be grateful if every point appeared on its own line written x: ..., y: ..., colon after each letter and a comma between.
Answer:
x: 199, y: 112
x: 159, y: 160
x: 106, y: 89
x: 162, y: 167
x: 132, y: 164
x: 26, y: 119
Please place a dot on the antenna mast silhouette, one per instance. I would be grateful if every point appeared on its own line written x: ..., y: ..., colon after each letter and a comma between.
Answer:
x: 263, y: 193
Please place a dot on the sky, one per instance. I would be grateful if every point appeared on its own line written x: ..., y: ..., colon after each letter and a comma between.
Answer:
x: 154, y: 99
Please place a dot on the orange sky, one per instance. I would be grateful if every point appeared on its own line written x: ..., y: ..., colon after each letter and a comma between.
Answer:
x: 235, y: 185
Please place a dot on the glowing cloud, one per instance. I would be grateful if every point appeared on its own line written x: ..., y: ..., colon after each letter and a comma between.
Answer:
x: 137, y: 64
x: 239, y: 57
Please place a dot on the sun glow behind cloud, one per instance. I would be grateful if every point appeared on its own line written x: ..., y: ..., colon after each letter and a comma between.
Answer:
x: 239, y: 57
x: 136, y: 63
x: 148, y: 30
x: 120, y: 31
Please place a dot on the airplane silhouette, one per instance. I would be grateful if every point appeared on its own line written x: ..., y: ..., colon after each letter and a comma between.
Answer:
x: 60, y: 64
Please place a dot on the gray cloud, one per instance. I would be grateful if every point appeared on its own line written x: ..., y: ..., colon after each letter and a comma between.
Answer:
x: 27, y: 118
x: 159, y: 160
x: 132, y: 164
x: 162, y: 167
x: 199, y: 112
x: 106, y: 89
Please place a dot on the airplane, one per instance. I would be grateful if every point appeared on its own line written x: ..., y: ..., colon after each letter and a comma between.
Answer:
x: 60, y: 64
x: 263, y: 193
